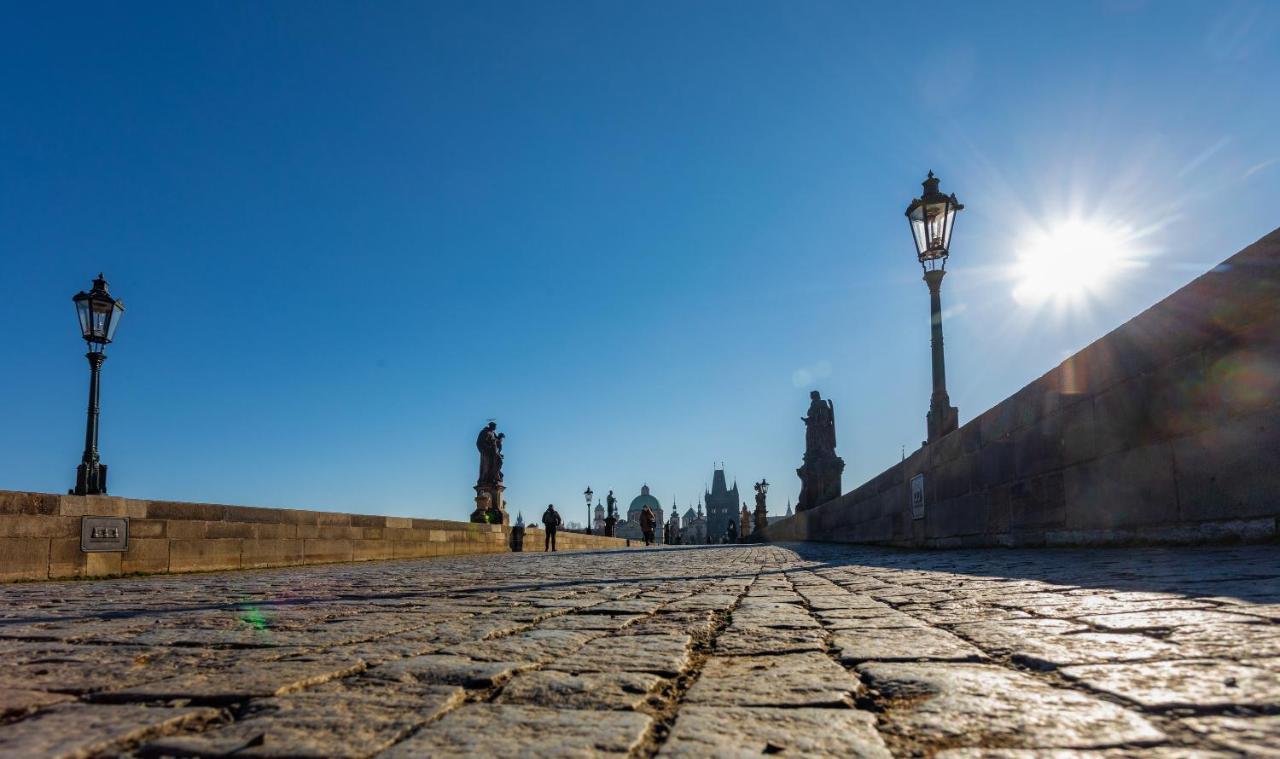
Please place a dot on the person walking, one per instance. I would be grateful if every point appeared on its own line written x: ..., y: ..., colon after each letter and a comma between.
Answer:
x: 550, y: 520
x: 647, y: 523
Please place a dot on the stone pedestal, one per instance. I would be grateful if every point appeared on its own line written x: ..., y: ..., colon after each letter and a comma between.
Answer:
x: 491, y: 507
x: 517, y: 539
x: 819, y: 482
x: 610, y: 523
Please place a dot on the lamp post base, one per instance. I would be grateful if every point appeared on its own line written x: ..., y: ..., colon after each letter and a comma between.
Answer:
x: 91, y: 479
x: 942, y: 420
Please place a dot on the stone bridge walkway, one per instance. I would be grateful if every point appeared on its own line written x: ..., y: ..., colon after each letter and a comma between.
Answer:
x: 801, y: 650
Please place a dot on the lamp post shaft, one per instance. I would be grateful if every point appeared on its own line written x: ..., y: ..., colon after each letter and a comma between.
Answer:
x: 942, y: 417
x: 89, y: 478
x: 934, y: 280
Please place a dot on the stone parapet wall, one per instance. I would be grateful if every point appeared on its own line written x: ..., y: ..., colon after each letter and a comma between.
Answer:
x: 1165, y: 430
x: 40, y: 537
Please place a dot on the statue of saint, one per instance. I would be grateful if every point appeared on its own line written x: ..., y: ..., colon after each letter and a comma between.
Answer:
x: 820, y: 428
x: 489, y: 443
x: 613, y: 504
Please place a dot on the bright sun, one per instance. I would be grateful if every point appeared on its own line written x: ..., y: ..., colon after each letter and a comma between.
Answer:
x: 1070, y: 262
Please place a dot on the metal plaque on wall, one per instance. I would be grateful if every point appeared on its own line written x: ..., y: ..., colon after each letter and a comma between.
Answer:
x: 104, y: 534
x: 917, y: 496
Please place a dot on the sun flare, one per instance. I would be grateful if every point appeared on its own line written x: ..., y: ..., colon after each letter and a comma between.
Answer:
x: 1071, y: 262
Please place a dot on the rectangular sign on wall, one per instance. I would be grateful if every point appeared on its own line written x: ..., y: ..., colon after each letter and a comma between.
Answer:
x: 104, y: 534
x: 917, y: 496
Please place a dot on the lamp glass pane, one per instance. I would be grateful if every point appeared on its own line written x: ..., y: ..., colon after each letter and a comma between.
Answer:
x: 82, y: 314
x: 116, y: 313
x: 99, y: 319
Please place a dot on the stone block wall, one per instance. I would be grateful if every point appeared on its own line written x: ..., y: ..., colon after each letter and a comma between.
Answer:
x: 40, y: 537
x: 1167, y: 429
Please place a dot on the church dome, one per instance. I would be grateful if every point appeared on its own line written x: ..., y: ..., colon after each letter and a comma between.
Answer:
x: 642, y: 500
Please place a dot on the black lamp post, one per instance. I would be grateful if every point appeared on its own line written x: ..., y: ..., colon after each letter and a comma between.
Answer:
x: 588, y: 495
x: 99, y: 315
x: 932, y: 215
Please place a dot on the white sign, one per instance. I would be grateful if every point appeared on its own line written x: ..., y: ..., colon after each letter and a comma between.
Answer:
x: 917, y: 496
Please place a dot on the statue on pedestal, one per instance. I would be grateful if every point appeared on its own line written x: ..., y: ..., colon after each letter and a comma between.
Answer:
x: 744, y: 522
x: 820, y: 473
x: 761, y: 515
x: 490, y: 504
x: 611, y: 515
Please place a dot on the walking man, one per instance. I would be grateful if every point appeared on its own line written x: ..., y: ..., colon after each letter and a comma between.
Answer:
x: 647, y: 522
x: 551, y: 521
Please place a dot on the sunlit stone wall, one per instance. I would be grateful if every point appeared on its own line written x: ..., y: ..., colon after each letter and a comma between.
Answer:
x: 40, y: 537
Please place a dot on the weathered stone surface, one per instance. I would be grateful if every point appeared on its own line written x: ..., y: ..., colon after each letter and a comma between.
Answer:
x: 259, y: 679
x: 1148, y: 620
x: 1089, y: 648
x: 509, y: 730
x: 1192, y: 683
x: 537, y: 646
x: 659, y: 654
x: 1252, y: 736
x: 235, y: 638
x: 752, y: 641
x: 804, y: 679
x: 445, y: 669
x: 740, y: 731
x: 16, y: 701
x: 1228, y: 640
x: 343, y: 722
x: 898, y: 645
x: 80, y: 730
x: 959, y: 705
x: 589, y: 690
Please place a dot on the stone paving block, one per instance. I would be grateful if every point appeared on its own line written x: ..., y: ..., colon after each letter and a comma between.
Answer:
x: 741, y: 732
x: 1148, y: 620
x: 604, y: 622
x: 1146, y: 752
x: 589, y: 690
x: 804, y: 679
x: 1252, y: 736
x: 444, y: 669
x: 878, y: 621
x: 1228, y: 641
x: 253, y: 680
x: 773, y: 615
x: 1002, y: 637
x: 337, y: 723
x: 702, y: 602
x: 659, y: 654
x: 1091, y: 648
x: 959, y: 705
x: 16, y: 701
x: 536, y: 645
x: 71, y: 731
x: 896, y: 645
x: 509, y: 730
x: 1195, y: 683
x: 683, y: 623
x: 750, y: 641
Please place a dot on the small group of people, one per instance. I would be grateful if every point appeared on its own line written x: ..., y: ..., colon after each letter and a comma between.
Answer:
x: 551, y: 522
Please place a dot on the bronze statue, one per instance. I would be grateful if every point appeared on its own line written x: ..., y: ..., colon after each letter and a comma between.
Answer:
x: 489, y: 443
x: 821, y: 470
x: 820, y: 427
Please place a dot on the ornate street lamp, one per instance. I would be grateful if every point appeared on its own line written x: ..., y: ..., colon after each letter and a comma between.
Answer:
x: 99, y: 315
x: 588, y: 494
x: 932, y: 216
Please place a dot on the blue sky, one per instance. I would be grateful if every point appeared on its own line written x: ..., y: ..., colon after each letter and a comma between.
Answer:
x: 636, y: 234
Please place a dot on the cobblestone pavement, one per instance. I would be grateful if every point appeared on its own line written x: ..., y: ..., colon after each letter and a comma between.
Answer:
x: 803, y: 650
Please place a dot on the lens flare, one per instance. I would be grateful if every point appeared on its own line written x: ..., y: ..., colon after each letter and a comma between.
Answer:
x: 1071, y: 262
